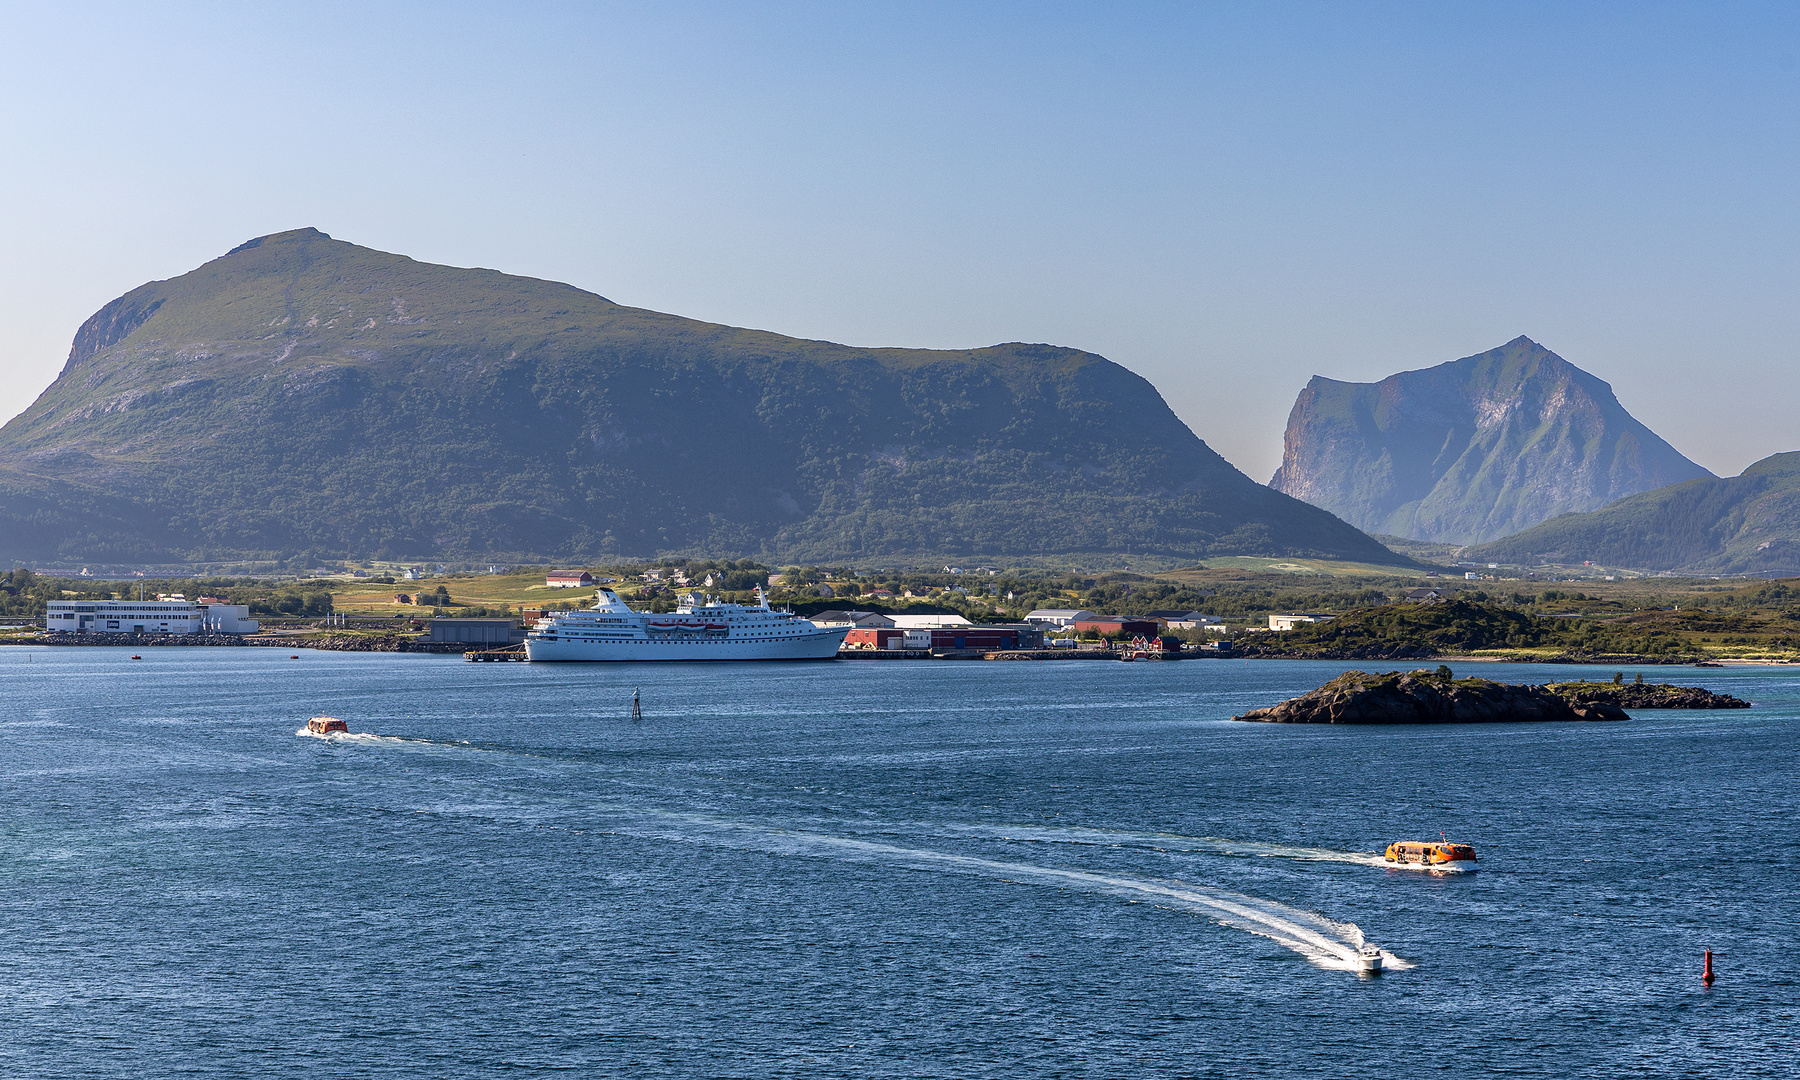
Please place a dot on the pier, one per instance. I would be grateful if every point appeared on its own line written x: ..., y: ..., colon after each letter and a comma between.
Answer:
x: 512, y: 654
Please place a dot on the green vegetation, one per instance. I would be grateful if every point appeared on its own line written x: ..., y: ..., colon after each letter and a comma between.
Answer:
x: 1649, y: 620
x: 304, y: 399
x: 1746, y: 524
x: 1463, y: 626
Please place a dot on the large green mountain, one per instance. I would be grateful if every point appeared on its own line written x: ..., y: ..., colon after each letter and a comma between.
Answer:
x: 1470, y: 450
x: 1745, y: 524
x: 302, y: 394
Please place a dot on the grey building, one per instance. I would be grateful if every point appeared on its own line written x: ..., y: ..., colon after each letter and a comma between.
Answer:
x: 477, y: 631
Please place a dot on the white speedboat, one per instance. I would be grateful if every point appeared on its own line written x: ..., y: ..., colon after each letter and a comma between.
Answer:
x: 699, y: 629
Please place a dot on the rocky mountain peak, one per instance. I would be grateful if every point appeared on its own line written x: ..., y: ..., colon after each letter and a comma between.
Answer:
x: 1470, y: 450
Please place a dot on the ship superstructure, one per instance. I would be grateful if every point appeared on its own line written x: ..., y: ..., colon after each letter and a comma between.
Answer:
x: 700, y: 628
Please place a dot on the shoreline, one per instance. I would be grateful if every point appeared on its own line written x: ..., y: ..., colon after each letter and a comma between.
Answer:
x: 394, y: 644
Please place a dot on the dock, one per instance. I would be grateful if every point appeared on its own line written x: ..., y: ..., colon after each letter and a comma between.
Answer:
x: 512, y: 654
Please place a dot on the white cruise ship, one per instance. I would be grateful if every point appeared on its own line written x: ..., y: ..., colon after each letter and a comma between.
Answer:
x: 699, y: 629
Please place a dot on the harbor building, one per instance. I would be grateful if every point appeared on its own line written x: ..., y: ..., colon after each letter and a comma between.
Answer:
x: 480, y: 631
x: 1061, y: 618
x: 169, y: 616
x: 1287, y: 620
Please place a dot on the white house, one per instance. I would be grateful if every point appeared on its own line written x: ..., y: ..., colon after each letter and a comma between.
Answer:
x: 568, y: 579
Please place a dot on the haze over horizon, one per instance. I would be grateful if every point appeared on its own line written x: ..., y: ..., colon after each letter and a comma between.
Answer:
x: 1226, y: 201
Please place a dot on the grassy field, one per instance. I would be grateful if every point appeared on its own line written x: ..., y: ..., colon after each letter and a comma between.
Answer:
x: 359, y: 597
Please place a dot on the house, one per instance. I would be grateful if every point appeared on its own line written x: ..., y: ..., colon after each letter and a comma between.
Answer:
x: 884, y: 594
x: 1424, y: 596
x: 1058, y: 617
x: 826, y: 591
x: 1287, y: 620
x: 569, y: 579
x: 1107, y: 626
x: 1155, y: 646
x: 413, y: 573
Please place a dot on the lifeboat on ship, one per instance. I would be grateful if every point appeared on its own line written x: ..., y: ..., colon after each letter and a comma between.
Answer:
x: 1431, y: 856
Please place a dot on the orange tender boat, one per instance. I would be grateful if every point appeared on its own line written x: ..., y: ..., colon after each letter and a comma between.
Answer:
x: 325, y: 725
x: 1445, y: 856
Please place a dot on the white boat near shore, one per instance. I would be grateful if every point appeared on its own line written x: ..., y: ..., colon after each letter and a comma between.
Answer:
x: 699, y: 629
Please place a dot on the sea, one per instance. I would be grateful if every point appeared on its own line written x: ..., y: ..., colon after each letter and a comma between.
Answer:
x: 869, y: 869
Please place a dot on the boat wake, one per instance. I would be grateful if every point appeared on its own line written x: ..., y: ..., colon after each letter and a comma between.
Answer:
x: 353, y: 737
x: 1324, y: 942
x: 369, y: 738
x: 1211, y: 845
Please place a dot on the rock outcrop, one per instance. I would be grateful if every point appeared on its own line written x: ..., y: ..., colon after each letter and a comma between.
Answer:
x: 1424, y: 697
x: 1471, y: 450
x: 1645, y: 696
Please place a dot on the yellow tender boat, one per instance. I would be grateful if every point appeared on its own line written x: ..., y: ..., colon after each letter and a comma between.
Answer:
x: 1445, y: 856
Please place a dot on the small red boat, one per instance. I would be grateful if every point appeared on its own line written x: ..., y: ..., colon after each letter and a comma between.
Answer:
x: 325, y: 725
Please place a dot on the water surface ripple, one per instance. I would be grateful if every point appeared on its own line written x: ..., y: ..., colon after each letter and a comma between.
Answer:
x: 868, y: 869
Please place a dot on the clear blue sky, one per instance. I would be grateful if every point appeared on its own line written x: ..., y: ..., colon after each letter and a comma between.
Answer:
x: 1226, y: 198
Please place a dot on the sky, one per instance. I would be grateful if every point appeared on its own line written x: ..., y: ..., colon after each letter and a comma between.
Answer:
x: 1224, y: 198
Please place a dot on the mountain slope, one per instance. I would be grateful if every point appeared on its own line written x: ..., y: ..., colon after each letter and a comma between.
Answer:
x: 1745, y: 524
x: 302, y: 394
x: 1470, y: 450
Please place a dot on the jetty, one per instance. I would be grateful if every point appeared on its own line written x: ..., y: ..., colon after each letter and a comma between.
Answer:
x: 512, y: 654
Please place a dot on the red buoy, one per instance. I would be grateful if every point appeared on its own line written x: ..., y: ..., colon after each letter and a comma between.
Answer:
x: 1707, y: 975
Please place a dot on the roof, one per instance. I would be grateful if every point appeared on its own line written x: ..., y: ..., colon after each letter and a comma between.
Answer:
x: 1174, y: 615
x: 928, y: 622
x: 1060, y: 613
x: 866, y: 620
x: 577, y: 574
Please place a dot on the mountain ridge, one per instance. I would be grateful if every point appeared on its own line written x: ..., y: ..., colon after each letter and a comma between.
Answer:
x: 304, y: 394
x: 1472, y: 449
x: 1744, y: 524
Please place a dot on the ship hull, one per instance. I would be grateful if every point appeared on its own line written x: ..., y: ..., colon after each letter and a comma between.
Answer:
x: 822, y: 645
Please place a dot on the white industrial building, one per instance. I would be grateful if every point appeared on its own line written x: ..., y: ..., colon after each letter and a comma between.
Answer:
x: 147, y: 617
x: 1059, y: 617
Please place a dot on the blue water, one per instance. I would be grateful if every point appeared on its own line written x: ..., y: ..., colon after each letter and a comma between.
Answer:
x: 870, y: 869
